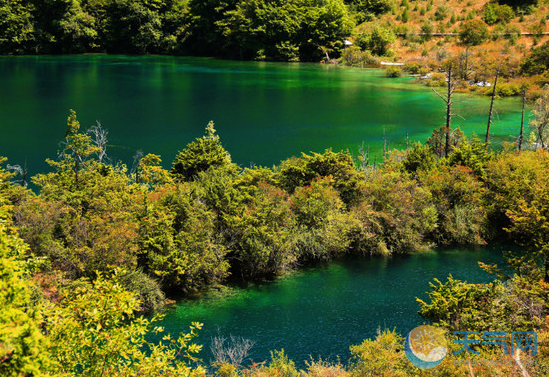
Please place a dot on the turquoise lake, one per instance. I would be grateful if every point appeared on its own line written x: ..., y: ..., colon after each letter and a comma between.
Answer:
x: 320, y: 311
x: 264, y: 112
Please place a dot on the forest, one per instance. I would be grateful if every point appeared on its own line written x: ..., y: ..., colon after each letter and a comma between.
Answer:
x: 294, y: 30
x: 274, y: 30
x: 95, y: 244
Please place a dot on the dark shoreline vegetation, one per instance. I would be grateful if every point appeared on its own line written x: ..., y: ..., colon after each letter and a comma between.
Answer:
x: 300, y: 30
x: 100, y: 242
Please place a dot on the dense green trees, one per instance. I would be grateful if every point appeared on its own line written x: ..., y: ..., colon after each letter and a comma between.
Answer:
x: 206, y: 218
x: 17, y: 33
x: 177, y: 237
x: 22, y: 344
x: 95, y: 332
x: 367, y: 9
x: 282, y: 30
x: 299, y: 30
x: 377, y: 40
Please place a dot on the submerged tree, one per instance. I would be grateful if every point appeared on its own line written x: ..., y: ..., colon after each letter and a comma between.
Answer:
x: 450, y: 88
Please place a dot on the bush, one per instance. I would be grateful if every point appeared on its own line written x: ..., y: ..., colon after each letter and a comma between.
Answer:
x: 537, y: 62
x: 441, y: 13
x: 393, y: 71
x: 490, y: 16
x: 394, y: 215
x: 200, y: 155
x: 383, y: 356
x: 427, y: 29
x: 457, y: 195
x: 323, y: 227
x: 512, y: 33
x: 413, y: 68
x: 473, y: 32
x: 354, y: 57
x: 146, y: 289
x: 494, y: 13
x: 378, y: 40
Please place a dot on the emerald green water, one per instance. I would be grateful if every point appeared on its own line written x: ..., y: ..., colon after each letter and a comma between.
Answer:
x: 264, y: 112
x: 321, y: 311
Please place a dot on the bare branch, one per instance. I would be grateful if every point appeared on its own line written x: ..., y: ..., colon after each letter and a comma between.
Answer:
x: 232, y: 352
x: 99, y: 138
x: 440, y: 95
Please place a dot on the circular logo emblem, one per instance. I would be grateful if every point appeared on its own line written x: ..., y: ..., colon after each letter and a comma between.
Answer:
x: 425, y: 346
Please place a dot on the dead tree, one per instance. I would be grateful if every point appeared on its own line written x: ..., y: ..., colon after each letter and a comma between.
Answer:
x: 137, y: 164
x: 99, y: 138
x: 491, y: 109
x: 18, y: 170
x: 448, y: 101
x: 521, y: 136
x: 364, y: 156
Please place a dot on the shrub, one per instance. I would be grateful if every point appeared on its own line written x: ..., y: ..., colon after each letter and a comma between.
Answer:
x: 394, y: 215
x: 393, y: 71
x: 537, y: 62
x: 412, y: 67
x: 383, y: 356
x: 457, y: 195
x: 427, y: 29
x: 354, y: 57
x: 146, y: 289
x: 324, y: 228
x: 199, y: 155
x: 441, y: 13
x: 473, y: 32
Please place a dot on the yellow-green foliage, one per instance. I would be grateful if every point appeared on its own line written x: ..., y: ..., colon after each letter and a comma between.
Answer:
x: 22, y: 344
x: 95, y: 332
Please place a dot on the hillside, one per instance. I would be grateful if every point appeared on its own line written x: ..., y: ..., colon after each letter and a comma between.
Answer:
x: 413, y: 20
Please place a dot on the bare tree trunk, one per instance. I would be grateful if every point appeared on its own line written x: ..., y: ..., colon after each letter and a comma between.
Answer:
x: 448, y: 112
x: 137, y: 173
x: 491, y: 110
x: 521, y: 136
x: 523, y: 370
x: 24, y: 180
x: 466, y: 70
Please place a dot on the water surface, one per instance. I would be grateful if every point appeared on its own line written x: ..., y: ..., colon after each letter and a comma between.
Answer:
x: 321, y: 311
x: 264, y: 112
